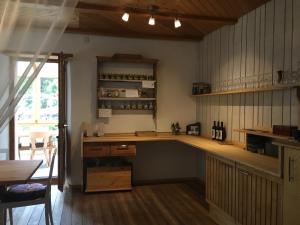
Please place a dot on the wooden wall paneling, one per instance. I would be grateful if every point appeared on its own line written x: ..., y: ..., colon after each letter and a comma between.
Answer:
x: 268, y: 61
x: 278, y: 61
x: 250, y: 67
x: 260, y: 43
x: 223, y: 70
x: 243, y: 74
x: 230, y: 60
x: 261, y: 63
x: 207, y: 79
x: 256, y: 65
x: 288, y: 32
x: 295, y: 110
x: 200, y: 102
x: 236, y: 75
x: 218, y: 61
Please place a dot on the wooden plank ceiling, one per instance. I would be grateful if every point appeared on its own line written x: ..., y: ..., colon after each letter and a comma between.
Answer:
x: 198, y: 17
x: 103, y: 17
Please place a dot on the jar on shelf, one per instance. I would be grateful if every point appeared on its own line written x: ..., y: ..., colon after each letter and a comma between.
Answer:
x: 150, y: 106
x: 140, y: 106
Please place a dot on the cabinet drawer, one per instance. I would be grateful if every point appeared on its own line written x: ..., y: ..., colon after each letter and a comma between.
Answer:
x: 95, y: 149
x: 108, y: 179
x: 123, y: 149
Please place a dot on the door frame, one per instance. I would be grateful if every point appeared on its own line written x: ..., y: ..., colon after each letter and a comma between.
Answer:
x: 62, y: 80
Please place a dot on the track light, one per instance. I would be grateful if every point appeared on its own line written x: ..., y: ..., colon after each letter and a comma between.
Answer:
x: 177, y: 23
x: 125, y: 17
x: 151, y: 21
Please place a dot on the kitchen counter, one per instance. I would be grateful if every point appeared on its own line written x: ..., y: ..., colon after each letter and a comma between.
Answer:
x: 234, y: 153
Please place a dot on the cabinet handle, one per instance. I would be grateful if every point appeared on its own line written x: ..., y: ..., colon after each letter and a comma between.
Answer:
x: 291, y: 170
x: 246, y: 173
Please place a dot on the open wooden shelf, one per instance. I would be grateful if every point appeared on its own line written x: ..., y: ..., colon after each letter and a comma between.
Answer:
x: 125, y: 59
x: 250, y: 90
x: 126, y: 99
x: 264, y: 134
x: 122, y: 80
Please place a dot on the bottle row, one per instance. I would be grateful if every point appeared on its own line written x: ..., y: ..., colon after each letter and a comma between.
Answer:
x: 218, y: 131
x: 113, y: 76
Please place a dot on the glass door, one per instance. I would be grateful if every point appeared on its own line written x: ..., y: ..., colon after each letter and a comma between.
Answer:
x: 36, y: 118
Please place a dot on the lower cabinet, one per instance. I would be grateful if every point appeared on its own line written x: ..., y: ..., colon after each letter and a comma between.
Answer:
x: 220, y: 183
x: 248, y: 196
x: 291, y: 186
x: 258, y: 198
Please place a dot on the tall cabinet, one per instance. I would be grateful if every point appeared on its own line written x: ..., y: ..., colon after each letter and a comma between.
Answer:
x: 291, y: 185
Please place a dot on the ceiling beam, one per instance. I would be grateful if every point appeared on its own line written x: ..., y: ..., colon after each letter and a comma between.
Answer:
x: 133, y: 34
x: 146, y: 12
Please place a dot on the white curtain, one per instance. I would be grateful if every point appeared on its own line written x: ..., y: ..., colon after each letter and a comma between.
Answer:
x: 31, y: 27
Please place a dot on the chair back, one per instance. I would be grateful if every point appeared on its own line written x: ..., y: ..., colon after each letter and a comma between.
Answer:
x: 34, y: 136
x: 52, y: 165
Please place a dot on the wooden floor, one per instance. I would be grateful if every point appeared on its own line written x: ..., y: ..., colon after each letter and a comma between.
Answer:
x: 174, y: 204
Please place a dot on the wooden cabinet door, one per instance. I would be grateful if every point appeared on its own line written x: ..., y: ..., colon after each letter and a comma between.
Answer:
x: 291, y: 206
x: 220, y: 183
x: 258, y: 198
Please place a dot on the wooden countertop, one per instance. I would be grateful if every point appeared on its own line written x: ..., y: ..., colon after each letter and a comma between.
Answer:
x: 262, y: 163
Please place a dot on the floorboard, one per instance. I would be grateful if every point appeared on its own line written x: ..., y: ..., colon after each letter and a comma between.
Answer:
x: 162, y: 204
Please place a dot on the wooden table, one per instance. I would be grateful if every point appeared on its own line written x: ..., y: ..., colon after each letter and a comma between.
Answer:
x: 15, y: 172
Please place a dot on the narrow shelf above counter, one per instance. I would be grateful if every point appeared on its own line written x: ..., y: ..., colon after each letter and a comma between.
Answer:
x: 264, y: 134
x: 249, y: 90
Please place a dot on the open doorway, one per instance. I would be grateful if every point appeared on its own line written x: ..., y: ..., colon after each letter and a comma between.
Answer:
x: 37, y: 117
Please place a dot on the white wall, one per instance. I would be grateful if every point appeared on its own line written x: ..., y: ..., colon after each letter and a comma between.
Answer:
x: 177, y: 69
x: 4, y: 132
x: 262, y: 42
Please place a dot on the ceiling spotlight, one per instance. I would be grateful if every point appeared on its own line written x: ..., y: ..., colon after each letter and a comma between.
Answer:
x: 125, y: 17
x: 151, y: 21
x: 177, y: 23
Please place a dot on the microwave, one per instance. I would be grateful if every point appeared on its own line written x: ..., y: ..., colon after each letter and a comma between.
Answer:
x: 193, y: 129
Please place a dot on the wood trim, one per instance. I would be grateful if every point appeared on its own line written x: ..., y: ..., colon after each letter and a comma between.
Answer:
x: 62, y: 121
x: 115, y: 58
x: 166, y: 181
x: 12, y: 140
x: 127, y: 34
x: 146, y: 12
x: 22, y: 55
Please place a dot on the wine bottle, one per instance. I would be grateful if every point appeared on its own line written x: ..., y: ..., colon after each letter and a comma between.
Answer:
x: 218, y: 130
x: 222, y: 133
x: 213, y: 131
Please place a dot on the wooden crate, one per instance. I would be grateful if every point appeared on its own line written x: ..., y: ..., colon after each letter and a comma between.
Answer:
x: 108, y: 179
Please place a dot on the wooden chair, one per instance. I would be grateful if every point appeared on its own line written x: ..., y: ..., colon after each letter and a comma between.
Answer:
x: 40, y: 142
x: 21, y: 147
x: 29, y: 194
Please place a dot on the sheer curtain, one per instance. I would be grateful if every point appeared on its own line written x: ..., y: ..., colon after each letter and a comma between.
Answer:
x: 32, y: 27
